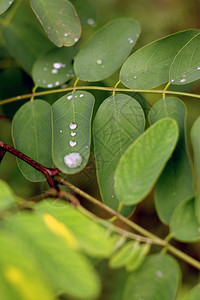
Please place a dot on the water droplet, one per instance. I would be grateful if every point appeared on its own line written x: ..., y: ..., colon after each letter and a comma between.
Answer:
x: 198, y: 68
x: 61, y: 131
x: 112, y: 196
x: 99, y: 61
x: 72, y: 143
x: 54, y: 71
x: 57, y: 83
x: 90, y: 21
x: 172, y: 80
x: 135, y: 77
x: 141, y: 71
x: 50, y: 85
x: 63, y: 85
x: 86, y: 147
x: 73, y: 160
x: 159, y: 273
x: 58, y: 65
x: 183, y: 80
x: 198, y: 229
x: 73, y: 133
x: 81, y: 95
x: 72, y: 126
x: 69, y: 97
x: 45, y: 69
x: 130, y: 40
x: 76, y: 40
x: 44, y: 81
x: 66, y: 34
x: 10, y: 2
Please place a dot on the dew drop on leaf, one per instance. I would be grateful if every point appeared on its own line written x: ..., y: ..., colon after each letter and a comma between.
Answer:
x: 99, y: 61
x: 73, y: 160
x: 69, y: 97
x: 72, y: 126
x: 72, y: 143
x: 73, y: 133
x: 90, y: 21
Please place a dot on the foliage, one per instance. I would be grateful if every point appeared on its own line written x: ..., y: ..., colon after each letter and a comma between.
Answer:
x: 53, y: 245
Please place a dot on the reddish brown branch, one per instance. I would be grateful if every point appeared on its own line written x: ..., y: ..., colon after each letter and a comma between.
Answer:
x: 49, y: 173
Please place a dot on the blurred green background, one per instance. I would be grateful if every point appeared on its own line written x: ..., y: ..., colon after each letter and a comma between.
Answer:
x: 157, y: 18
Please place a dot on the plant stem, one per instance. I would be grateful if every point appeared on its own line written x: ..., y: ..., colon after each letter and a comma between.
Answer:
x: 48, y: 172
x: 99, y: 88
x: 131, y: 224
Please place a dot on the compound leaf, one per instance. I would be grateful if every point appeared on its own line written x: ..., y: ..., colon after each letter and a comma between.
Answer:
x: 20, y: 277
x: 176, y: 181
x: 194, y: 293
x: 32, y: 135
x: 55, y: 248
x: 92, y: 238
x: 59, y: 19
x: 4, y: 5
x: 149, y: 66
x: 195, y: 136
x: 186, y: 64
x: 118, y: 122
x: 106, y: 50
x: 54, y: 67
x: 184, y: 225
x: 142, y: 163
x: 71, y: 131
x: 25, y: 43
x: 157, y: 278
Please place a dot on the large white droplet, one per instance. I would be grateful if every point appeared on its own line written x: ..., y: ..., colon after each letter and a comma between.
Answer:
x: 183, y: 80
x: 73, y: 160
x: 50, y: 85
x: 99, y: 61
x: 198, y: 68
x: 72, y: 143
x: 69, y: 97
x: 57, y: 65
x: 130, y: 40
x: 72, y: 126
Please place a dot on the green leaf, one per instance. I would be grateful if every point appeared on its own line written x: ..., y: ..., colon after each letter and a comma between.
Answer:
x: 118, y: 122
x: 106, y: 50
x: 7, y: 198
x: 158, y: 278
x: 149, y: 66
x: 32, y: 135
x: 25, y: 43
x: 59, y: 19
x: 92, y: 238
x: 137, y: 257
x: 176, y: 181
x: 195, y: 133
x: 144, y: 160
x: 186, y: 64
x: 184, y: 225
x: 55, y: 250
x: 120, y: 257
x: 20, y: 276
x: 71, y: 131
x: 54, y: 67
x: 86, y: 11
x: 4, y: 5
x: 194, y: 293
